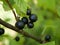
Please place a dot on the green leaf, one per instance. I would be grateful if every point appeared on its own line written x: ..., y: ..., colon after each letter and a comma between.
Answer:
x: 58, y: 7
x: 29, y: 41
x: 14, y: 42
x: 50, y: 4
x: 49, y: 43
x: 7, y: 19
x: 20, y: 6
x: 6, y: 6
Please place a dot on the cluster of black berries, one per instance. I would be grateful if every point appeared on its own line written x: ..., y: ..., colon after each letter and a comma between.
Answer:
x: 29, y: 21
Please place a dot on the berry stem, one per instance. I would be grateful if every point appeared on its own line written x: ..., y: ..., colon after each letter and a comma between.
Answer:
x: 7, y: 1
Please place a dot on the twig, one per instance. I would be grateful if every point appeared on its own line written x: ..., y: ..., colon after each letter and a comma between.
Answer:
x: 7, y: 1
x: 19, y: 31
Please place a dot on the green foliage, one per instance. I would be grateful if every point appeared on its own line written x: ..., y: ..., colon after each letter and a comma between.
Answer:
x: 6, y: 6
x: 47, y: 22
x: 20, y: 6
x: 14, y: 42
x: 51, y: 4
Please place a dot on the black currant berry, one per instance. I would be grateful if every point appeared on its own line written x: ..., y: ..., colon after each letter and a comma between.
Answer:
x: 47, y: 38
x: 17, y: 38
x: 20, y: 24
x: 25, y: 20
x: 1, y: 31
x: 33, y: 18
x: 30, y: 25
x: 28, y: 12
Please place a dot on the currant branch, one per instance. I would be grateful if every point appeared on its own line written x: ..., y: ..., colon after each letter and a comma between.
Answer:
x: 7, y: 1
x: 19, y: 31
x: 16, y: 29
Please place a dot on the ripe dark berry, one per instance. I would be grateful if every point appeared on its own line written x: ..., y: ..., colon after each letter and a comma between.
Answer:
x: 1, y: 31
x: 30, y: 25
x: 33, y: 18
x: 28, y: 12
x: 17, y: 38
x: 25, y: 20
x: 47, y: 38
x: 20, y: 24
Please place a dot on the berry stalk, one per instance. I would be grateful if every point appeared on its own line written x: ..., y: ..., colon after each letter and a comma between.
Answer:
x: 12, y: 10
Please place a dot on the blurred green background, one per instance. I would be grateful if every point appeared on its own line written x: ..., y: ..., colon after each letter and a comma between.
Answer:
x: 48, y: 13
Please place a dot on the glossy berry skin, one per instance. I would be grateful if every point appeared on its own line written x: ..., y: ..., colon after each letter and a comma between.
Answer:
x: 30, y: 25
x: 17, y: 38
x: 20, y: 24
x: 25, y: 20
x: 33, y: 18
x: 1, y: 31
x: 47, y: 38
x: 28, y: 12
